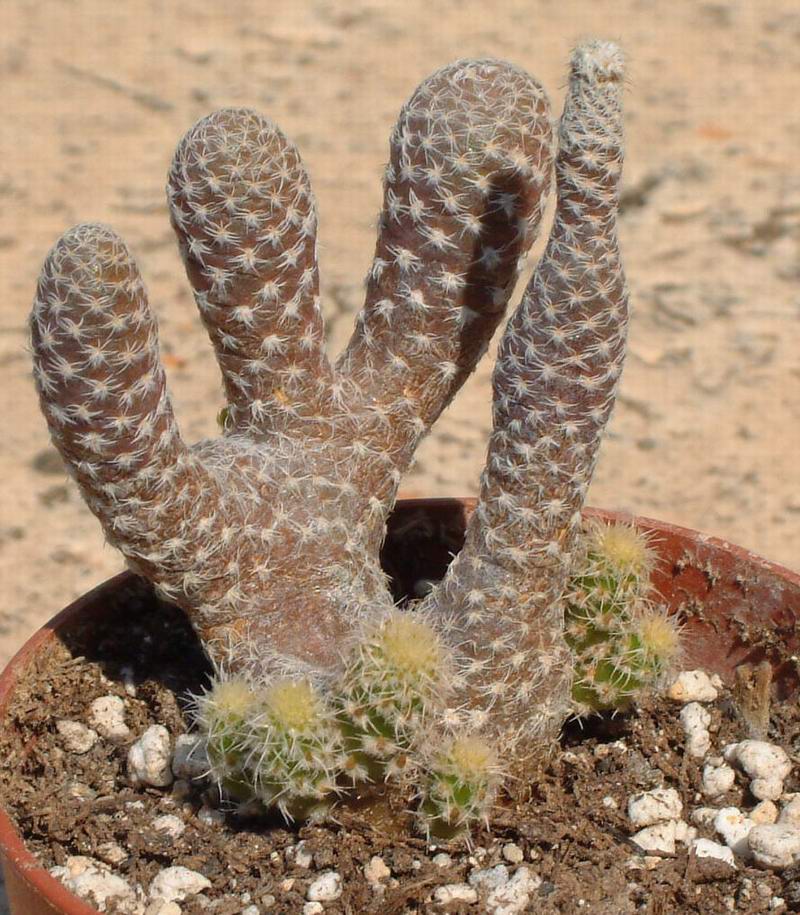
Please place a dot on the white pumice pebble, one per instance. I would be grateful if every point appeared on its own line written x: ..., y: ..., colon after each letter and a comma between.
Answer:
x: 301, y: 855
x: 692, y: 686
x: 684, y: 833
x: 251, y: 910
x: 162, y: 907
x: 376, y: 870
x: 107, y: 717
x: 489, y: 878
x: 759, y: 759
x: 718, y: 780
x: 610, y: 802
x: 75, y: 737
x: 442, y: 859
x: 734, y: 827
x: 704, y: 816
x: 775, y: 845
x: 764, y: 812
x: 189, y: 758
x: 94, y: 881
x: 513, y: 896
x: 210, y: 816
x: 327, y: 887
x: 654, y: 806
x: 176, y: 883
x: 790, y: 812
x: 452, y: 893
x: 705, y: 848
x: 695, y: 720
x: 513, y: 853
x: 766, y: 789
x: 660, y: 837
x: 150, y: 758
x: 170, y: 824
x: 313, y: 908
x: 128, y: 677
x: 111, y: 852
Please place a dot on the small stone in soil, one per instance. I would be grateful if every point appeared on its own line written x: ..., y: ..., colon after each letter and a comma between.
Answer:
x: 775, y: 845
x: 189, y: 758
x: 654, y: 806
x: 695, y: 720
x: 452, y: 893
x: 734, y: 828
x: 326, y: 887
x: 150, y: 758
x: 107, y: 716
x: 376, y: 870
x: 764, y: 812
x: 692, y: 686
x: 170, y: 824
x: 489, y: 879
x: 76, y: 737
x: 717, y: 780
x: 176, y: 883
x: 92, y: 880
x: 705, y: 848
x: 660, y: 837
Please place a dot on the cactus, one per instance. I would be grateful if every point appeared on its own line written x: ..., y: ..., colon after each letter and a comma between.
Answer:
x: 461, y: 785
x: 223, y: 714
x: 268, y: 536
x: 621, y: 642
x: 394, y: 686
x: 296, y: 752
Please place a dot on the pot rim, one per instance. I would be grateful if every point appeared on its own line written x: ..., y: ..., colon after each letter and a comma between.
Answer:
x: 34, y: 874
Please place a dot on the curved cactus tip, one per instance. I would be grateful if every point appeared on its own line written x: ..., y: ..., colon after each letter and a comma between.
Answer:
x: 598, y: 60
x: 462, y: 784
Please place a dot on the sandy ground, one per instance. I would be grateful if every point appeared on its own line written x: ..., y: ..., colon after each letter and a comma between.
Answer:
x: 96, y: 94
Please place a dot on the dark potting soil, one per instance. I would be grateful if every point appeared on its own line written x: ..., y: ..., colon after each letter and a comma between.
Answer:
x: 570, y: 829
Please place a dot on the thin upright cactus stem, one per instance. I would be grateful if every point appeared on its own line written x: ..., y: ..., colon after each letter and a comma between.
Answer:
x: 554, y: 385
x: 245, y: 217
x: 464, y: 191
x: 269, y: 535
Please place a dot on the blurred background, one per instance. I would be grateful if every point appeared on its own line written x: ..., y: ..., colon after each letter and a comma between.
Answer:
x: 707, y: 428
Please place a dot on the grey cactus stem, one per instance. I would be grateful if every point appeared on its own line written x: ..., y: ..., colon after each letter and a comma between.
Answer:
x: 269, y: 536
x: 554, y: 386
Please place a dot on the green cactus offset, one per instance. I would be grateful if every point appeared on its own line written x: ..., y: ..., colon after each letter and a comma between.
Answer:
x: 622, y: 642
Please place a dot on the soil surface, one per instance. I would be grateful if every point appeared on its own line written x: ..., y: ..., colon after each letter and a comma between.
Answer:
x: 571, y: 830
x: 706, y: 433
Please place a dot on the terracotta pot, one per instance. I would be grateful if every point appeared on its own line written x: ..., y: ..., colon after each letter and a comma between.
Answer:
x: 737, y: 608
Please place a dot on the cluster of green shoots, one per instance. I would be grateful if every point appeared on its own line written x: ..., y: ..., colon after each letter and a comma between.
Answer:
x: 290, y: 747
x: 622, y: 641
